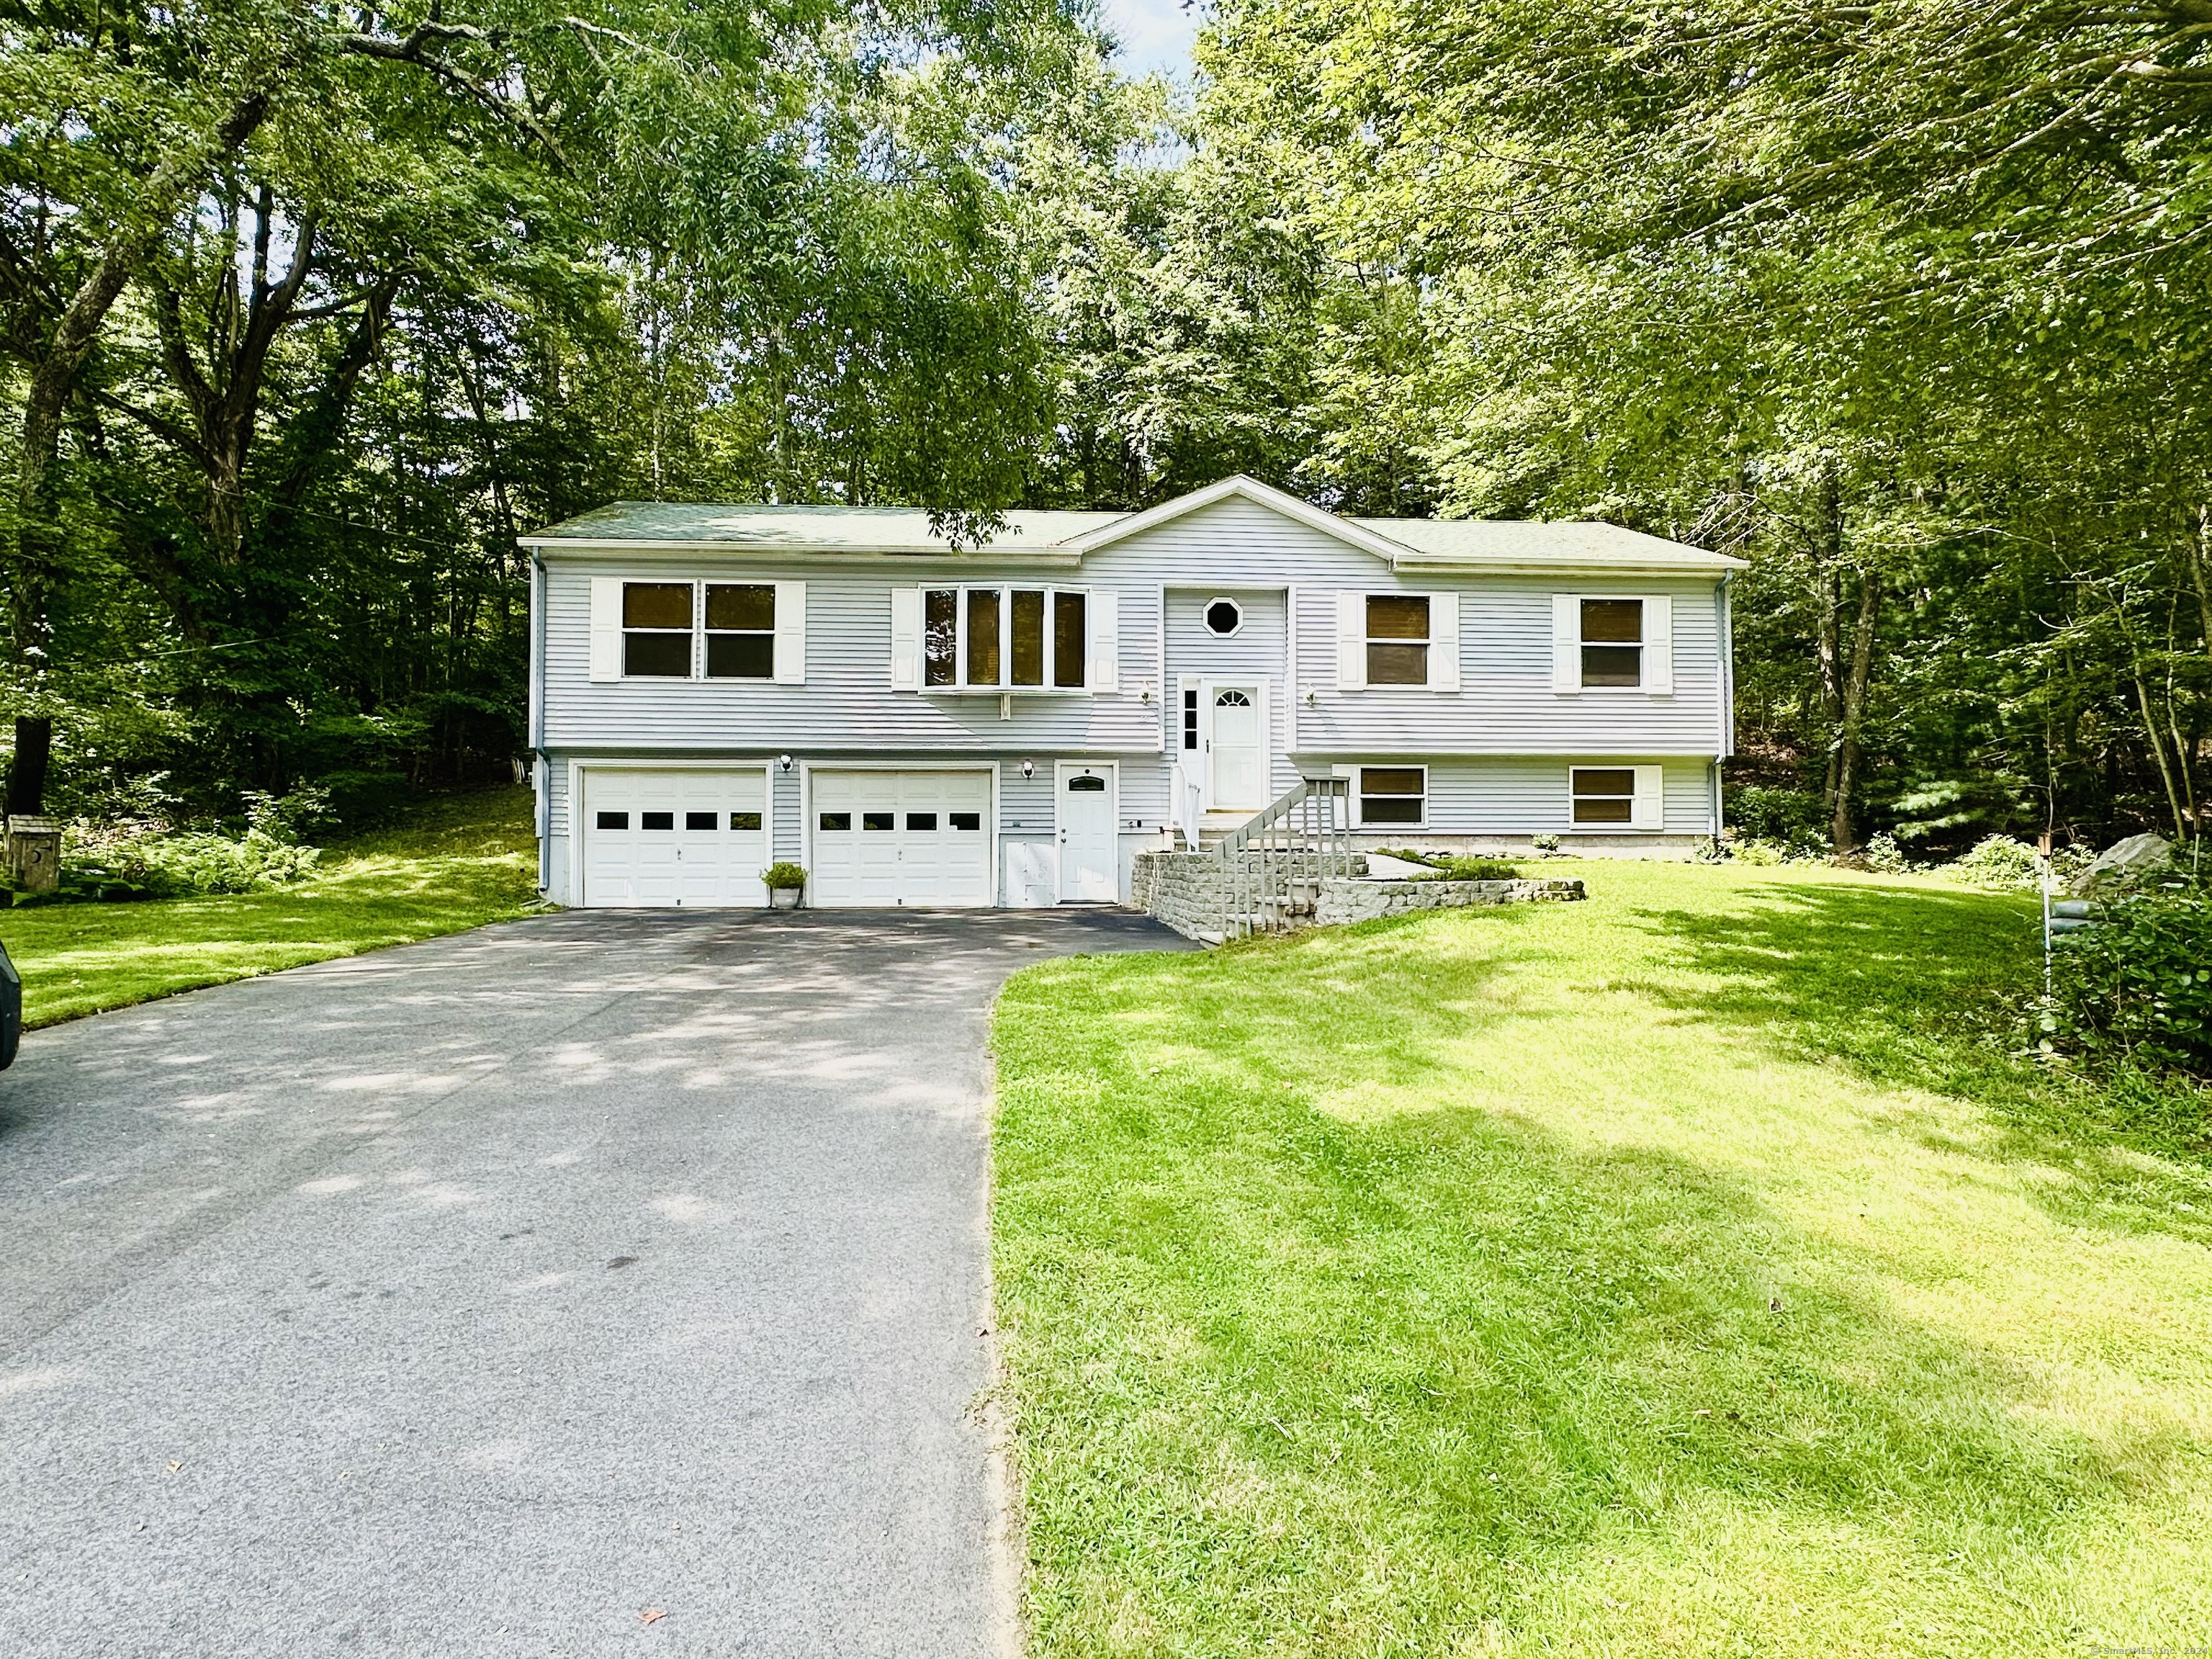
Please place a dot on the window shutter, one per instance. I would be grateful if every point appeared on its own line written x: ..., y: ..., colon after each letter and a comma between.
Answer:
x: 1650, y: 810
x: 791, y: 633
x: 1104, y: 609
x: 606, y: 627
x: 1659, y: 646
x: 906, y: 639
x: 1443, y: 641
x: 1351, y: 641
x: 1566, y: 643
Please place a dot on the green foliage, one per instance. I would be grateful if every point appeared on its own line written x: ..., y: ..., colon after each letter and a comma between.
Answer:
x: 1772, y: 814
x: 1452, y: 866
x: 2137, y: 987
x: 784, y: 874
x: 457, y: 861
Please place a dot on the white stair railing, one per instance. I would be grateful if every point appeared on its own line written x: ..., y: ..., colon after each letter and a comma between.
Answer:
x: 1273, y: 866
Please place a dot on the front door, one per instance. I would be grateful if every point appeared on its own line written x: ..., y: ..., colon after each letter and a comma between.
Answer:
x: 1088, y: 872
x: 1237, y: 753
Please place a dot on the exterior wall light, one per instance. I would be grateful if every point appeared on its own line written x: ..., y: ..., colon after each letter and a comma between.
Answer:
x: 1029, y: 769
x: 783, y: 762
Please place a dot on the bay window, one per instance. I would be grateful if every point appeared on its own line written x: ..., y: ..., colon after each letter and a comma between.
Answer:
x: 1001, y: 639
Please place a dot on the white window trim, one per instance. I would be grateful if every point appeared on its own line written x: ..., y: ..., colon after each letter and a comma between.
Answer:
x: 1657, y: 668
x: 1359, y: 821
x: 1641, y: 821
x: 786, y: 634
x: 963, y: 686
x: 1442, y: 641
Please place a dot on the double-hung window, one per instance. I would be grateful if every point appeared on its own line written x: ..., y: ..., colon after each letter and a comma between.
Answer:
x: 1004, y: 639
x: 1612, y: 643
x: 656, y: 630
x: 1386, y: 640
x: 740, y: 631
x: 1397, y: 639
x: 1617, y: 797
x: 1393, y: 794
x: 698, y: 630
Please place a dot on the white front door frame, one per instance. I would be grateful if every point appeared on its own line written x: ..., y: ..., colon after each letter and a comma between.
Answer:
x: 807, y: 769
x: 1258, y: 686
x: 577, y: 828
x: 1061, y: 771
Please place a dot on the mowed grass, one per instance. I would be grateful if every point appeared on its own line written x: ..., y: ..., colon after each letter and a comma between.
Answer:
x: 462, y: 860
x: 1690, y: 1271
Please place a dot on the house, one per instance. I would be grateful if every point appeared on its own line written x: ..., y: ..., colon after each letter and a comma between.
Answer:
x: 716, y: 688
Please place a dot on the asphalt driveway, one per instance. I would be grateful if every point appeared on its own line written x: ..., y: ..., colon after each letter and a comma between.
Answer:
x: 597, y: 1283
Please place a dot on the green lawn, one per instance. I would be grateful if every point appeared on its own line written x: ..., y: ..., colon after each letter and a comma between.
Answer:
x: 1691, y: 1271
x: 462, y: 860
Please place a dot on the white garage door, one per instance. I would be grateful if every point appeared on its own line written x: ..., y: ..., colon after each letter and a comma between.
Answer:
x: 689, y: 838
x: 889, y: 838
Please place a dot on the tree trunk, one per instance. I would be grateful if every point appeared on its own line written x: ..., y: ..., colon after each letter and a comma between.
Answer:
x: 1848, y: 751
x: 1827, y: 584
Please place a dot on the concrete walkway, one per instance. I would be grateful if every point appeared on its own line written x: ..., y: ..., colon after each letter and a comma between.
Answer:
x: 600, y: 1283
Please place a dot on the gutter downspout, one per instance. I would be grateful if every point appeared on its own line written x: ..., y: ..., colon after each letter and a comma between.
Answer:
x: 1724, y: 745
x: 540, y: 760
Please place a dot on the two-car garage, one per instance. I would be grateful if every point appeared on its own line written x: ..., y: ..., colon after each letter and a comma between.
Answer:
x: 698, y: 838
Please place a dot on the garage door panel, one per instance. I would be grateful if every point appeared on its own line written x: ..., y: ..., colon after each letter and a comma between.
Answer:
x: 686, y: 839
x: 902, y: 838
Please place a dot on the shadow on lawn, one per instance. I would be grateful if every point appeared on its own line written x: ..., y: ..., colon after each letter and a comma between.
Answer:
x: 1928, y: 990
x: 1456, y: 1339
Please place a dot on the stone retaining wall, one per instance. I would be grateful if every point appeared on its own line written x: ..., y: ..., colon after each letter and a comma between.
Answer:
x: 1363, y: 900
x: 1186, y: 891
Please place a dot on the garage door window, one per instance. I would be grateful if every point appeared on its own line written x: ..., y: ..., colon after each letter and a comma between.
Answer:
x: 744, y: 820
x: 836, y: 820
x: 966, y: 820
x: 613, y: 821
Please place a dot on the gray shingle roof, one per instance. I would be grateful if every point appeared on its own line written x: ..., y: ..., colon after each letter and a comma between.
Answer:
x: 1503, y: 542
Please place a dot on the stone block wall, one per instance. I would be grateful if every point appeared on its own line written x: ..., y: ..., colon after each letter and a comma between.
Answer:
x: 1186, y: 891
x: 1364, y: 901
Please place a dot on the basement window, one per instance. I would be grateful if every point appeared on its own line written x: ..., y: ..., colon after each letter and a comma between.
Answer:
x: 1393, y: 794
x: 1605, y: 795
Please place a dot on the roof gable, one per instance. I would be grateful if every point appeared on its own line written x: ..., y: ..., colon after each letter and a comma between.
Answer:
x: 1250, y: 489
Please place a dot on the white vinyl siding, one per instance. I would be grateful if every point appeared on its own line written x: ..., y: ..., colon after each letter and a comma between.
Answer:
x: 1506, y: 706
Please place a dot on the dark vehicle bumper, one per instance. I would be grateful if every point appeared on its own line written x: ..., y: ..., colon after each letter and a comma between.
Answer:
x: 11, y: 1010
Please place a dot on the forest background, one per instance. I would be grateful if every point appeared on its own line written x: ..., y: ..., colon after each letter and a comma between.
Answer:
x: 305, y: 311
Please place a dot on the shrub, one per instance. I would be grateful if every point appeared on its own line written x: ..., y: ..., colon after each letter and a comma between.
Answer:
x: 1756, y: 850
x: 1460, y: 869
x: 1885, y: 857
x: 1778, y: 814
x: 2139, y: 987
x: 2004, y: 864
x: 784, y: 873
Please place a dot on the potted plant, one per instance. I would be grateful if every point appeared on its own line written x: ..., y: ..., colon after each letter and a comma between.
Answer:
x: 786, y: 884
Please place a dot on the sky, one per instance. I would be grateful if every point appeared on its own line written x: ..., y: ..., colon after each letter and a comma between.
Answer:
x: 1154, y: 34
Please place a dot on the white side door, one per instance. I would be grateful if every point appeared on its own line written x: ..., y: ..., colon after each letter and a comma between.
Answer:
x: 1236, y: 747
x: 1086, y: 810
x: 686, y: 839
